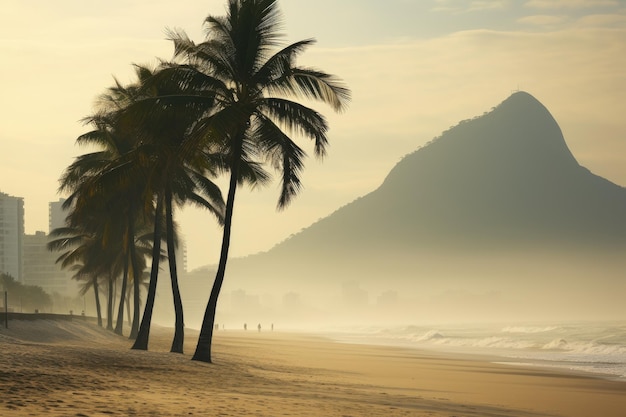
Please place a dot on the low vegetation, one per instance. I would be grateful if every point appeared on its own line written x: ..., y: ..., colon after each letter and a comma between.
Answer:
x: 24, y: 298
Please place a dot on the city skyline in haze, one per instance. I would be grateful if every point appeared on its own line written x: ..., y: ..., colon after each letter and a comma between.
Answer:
x: 415, y: 68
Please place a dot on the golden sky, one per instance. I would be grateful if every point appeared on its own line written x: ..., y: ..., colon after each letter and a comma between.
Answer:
x: 415, y: 68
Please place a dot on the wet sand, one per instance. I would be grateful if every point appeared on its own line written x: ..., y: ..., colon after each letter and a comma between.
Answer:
x: 76, y: 369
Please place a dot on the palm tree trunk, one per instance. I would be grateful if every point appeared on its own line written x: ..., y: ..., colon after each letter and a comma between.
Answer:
x: 179, y: 328
x: 114, y: 291
x: 203, y: 348
x: 128, y: 308
x: 98, y: 309
x: 136, y: 276
x: 120, y: 310
x: 143, y: 335
x: 110, y: 303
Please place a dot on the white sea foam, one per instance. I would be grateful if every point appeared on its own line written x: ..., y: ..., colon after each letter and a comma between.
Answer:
x: 589, y: 347
x: 528, y: 329
x: 557, y: 344
x: 432, y: 335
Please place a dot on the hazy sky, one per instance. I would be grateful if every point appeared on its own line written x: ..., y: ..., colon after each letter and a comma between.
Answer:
x: 415, y: 67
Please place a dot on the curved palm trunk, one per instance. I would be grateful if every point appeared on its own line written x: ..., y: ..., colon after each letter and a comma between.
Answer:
x: 179, y: 332
x: 128, y: 308
x: 143, y: 335
x: 110, y: 302
x: 203, y: 349
x: 98, y: 309
x: 134, y: 330
x: 120, y: 310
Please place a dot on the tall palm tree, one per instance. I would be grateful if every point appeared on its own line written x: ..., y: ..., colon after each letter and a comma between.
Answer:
x: 100, y: 211
x: 138, y: 164
x: 177, y: 174
x: 119, y: 324
x: 104, y: 202
x: 117, y: 175
x: 124, y: 175
x: 253, y: 117
x: 143, y: 248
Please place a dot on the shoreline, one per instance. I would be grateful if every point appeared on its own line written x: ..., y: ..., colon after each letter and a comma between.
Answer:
x: 498, y: 358
x: 473, y: 381
x: 78, y: 369
x: 582, y: 357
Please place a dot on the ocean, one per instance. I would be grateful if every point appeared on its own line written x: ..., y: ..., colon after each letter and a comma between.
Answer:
x: 592, y: 347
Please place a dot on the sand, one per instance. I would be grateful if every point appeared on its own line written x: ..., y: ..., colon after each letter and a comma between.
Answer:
x: 51, y: 368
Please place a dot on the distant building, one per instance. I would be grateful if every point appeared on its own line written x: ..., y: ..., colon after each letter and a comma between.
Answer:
x: 40, y: 268
x: 11, y: 234
x: 181, y: 258
x: 56, y: 215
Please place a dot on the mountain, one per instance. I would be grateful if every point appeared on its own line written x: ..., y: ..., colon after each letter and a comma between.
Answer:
x: 495, y: 205
x: 507, y: 176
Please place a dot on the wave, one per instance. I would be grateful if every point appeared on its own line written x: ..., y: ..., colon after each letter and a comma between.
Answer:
x: 586, y: 348
x: 528, y: 329
x: 597, y: 347
x: 435, y: 337
x: 430, y: 335
x: 484, y: 342
x: 556, y: 344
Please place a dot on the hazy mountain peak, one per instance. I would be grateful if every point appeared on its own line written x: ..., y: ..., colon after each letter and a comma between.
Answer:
x: 527, y: 122
x: 518, y: 134
x: 496, y: 203
x: 506, y: 176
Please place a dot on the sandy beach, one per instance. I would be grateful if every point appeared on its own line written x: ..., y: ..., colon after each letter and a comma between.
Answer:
x: 57, y: 368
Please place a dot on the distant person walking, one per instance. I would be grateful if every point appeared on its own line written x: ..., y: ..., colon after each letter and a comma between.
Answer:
x: 259, y: 327
x: 245, y: 326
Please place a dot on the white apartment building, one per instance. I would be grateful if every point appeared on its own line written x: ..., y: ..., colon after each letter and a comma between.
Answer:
x: 11, y: 235
x: 40, y: 267
x: 56, y: 215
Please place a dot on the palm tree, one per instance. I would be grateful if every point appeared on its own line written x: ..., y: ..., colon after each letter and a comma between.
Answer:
x: 252, y: 117
x: 138, y: 164
x: 99, y: 216
x: 143, y: 248
x: 83, y: 253
x: 214, y: 203
x: 117, y: 175
x: 124, y: 175
x: 71, y: 259
x: 119, y: 324
x: 87, y: 282
x: 104, y: 204
x: 176, y: 174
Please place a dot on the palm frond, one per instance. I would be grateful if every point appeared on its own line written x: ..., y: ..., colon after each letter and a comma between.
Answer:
x: 313, y: 84
x: 285, y: 156
x: 298, y: 119
x: 280, y: 63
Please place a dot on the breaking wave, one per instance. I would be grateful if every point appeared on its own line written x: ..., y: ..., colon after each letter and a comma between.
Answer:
x: 592, y: 347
